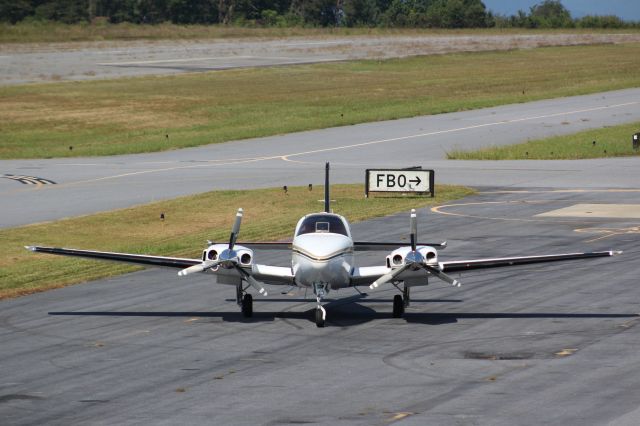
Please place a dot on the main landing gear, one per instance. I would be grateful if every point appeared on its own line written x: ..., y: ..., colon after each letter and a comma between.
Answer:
x: 401, y: 302
x: 245, y: 301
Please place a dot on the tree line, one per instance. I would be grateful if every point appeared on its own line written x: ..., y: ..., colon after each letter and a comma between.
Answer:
x: 288, y: 13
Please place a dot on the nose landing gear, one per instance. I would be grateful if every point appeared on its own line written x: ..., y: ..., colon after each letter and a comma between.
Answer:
x: 320, y: 290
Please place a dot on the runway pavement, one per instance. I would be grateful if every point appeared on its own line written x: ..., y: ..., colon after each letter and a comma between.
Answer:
x: 548, y: 344
x: 88, y: 185
x: 51, y: 62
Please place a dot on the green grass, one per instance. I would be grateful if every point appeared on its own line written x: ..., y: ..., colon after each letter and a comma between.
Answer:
x: 189, y: 222
x: 613, y: 141
x: 47, y: 32
x: 133, y: 115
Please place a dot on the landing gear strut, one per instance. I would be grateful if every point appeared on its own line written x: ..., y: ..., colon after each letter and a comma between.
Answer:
x: 406, y: 295
x: 320, y: 290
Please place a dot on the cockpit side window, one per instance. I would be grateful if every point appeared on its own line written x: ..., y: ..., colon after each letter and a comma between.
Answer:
x: 322, y: 223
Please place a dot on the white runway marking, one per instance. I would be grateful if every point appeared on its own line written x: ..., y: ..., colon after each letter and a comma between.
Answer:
x: 159, y: 61
x: 313, y: 43
x: 286, y: 157
x: 459, y: 129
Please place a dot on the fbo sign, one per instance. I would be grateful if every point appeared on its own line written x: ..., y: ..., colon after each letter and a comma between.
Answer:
x: 413, y: 180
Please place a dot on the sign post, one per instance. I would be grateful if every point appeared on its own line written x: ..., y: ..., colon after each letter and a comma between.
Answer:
x: 413, y: 180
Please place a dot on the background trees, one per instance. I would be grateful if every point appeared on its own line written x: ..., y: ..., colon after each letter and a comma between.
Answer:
x: 390, y: 13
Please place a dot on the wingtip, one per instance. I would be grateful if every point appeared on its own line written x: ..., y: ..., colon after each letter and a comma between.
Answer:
x: 615, y: 252
x: 30, y: 248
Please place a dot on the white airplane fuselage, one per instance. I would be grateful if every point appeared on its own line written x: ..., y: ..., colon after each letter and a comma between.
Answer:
x: 323, y: 257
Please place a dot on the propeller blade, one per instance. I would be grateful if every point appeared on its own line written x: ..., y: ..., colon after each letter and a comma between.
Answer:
x: 252, y: 281
x: 235, y: 230
x: 444, y: 277
x: 413, y: 229
x: 198, y: 268
x: 388, y: 277
x: 256, y: 284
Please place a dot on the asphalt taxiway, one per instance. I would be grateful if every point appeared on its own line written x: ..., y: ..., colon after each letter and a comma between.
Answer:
x: 88, y: 185
x: 543, y: 344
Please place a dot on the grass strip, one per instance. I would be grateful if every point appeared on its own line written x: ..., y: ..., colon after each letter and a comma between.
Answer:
x: 615, y: 141
x: 56, y: 32
x: 133, y: 115
x: 189, y: 222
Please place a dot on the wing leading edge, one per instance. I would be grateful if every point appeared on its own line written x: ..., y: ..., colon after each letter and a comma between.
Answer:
x: 467, y: 265
x: 276, y: 275
x: 139, y: 259
x: 366, y: 275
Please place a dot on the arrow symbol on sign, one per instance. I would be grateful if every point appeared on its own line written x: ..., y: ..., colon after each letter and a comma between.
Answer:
x: 417, y: 180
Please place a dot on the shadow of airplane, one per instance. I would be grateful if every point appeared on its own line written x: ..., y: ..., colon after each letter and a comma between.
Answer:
x: 355, y: 314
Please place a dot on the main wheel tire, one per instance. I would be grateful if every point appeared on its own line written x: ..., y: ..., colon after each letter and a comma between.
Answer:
x: 398, y: 306
x: 247, y: 305
x: 319, y: 319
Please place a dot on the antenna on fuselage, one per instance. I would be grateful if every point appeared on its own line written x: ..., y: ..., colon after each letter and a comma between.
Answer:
x: 327, y: 200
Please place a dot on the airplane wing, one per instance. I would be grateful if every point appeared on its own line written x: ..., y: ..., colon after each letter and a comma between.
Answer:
x: 276, y: 275
x: 139, y: 259
x: 277, y: 245
x: 466, y: 265
x: 367, y: 275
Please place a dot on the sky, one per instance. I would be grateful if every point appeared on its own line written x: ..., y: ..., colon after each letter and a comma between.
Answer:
x: 629, y: 10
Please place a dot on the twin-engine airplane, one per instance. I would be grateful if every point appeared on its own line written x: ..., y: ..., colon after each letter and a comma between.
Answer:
x: 322, y: 260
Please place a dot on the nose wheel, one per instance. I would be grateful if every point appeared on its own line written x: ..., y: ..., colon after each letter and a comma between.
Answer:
x: 321, y: 314
x: 320, y: 289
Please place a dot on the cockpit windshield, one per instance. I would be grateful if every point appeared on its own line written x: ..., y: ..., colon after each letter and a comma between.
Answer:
x: 322, y: 223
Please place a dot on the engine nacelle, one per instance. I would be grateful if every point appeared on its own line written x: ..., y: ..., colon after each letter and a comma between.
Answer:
x: 245, y: 255
x: 396, y: 258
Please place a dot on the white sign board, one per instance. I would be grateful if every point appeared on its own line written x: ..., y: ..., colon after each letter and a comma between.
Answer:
x: 395, y: 180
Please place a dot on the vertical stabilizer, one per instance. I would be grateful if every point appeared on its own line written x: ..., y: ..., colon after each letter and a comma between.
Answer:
x: 327, y: 199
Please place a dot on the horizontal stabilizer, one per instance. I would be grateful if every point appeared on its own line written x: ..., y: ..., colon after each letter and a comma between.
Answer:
x: 382, y: 246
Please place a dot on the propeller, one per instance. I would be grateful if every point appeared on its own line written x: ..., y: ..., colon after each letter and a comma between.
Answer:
x: 235, y: 230
x: 414, y: 260
x: 228, y: 258
x: 252, y: 281
x: 444, y: 277
x: 207, y: 264
x: 390, y: 276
